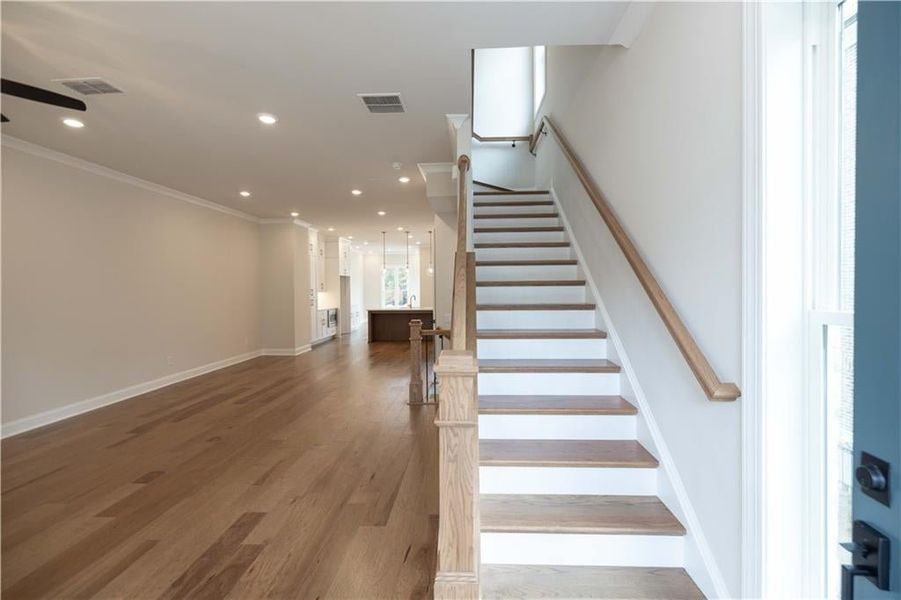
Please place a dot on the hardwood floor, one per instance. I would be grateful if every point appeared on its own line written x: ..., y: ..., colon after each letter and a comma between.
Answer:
x: 300, y: 477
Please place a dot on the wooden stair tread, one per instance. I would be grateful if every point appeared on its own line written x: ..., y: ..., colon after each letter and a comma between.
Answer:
x: 615, y: 515
x: 517, y: 229
x: 547, y: 365
x: 511, y: 193
x: 538, y: 262
x: 531, y: 283
x: 514, y: 203
x: 565, y: 453
x: 515, y: 216
x: 558, y: 306
x: 535, y: 334
x: 522, y: 245
x: 553, y: 581
x: 555, y: 405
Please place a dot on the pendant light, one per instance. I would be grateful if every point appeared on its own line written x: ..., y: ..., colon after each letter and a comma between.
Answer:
x: 431, y: 268
x: 407, y: 242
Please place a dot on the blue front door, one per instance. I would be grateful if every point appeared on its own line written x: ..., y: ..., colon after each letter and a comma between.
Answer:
x: 877, y: 310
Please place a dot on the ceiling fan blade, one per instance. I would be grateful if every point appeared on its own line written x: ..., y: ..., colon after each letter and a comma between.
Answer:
x: 3, y: 118
x: 29, y: 92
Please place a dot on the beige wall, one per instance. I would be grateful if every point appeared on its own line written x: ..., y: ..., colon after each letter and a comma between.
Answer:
x: 426, y: 281
x: 277, y: 311
x: 108, y: 285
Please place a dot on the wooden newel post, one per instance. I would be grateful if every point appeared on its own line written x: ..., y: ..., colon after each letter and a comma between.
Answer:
x: 457, y: 574
x: 415, y: 362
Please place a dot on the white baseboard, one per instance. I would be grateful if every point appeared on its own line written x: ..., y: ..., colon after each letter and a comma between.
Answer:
x: 322, y: 340
x: 700, y: 561
x: 70, y: 410
x: 286, y: 351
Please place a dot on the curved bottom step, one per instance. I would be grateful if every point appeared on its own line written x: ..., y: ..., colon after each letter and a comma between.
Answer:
x: 543, y: 581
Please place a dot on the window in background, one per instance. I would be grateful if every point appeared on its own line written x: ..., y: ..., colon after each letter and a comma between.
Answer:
x: 539, y: 76
x: 395, y: 287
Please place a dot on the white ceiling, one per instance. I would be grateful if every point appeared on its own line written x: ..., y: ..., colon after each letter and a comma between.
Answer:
x: 195, y: 74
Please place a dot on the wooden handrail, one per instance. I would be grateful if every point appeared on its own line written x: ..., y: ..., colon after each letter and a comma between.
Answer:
x: 700, y: 366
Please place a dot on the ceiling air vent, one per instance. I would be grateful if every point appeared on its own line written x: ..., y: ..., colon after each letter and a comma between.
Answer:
x: 382, y: 103
x: 89, y: 86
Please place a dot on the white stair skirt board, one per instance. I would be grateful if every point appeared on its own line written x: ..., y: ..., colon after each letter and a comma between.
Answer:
x: 543, y: 348
x: 549, y: 384
x: 501, y: 209
x: 519, y: 236
x: 523, y: 253
x: 510, y: 197
x: 530, y: 294
x: 603, y: 481
x: 582, y: 549
x: 526, y: 272
x: 519, y: 221
x: 557, y: 427
x: 536, y: 319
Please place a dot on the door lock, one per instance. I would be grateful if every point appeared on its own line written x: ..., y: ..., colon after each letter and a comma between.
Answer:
x: 869, y: 550
x: 873, y: 477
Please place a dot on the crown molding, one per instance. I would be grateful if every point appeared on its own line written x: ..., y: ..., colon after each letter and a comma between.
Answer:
x: 15, y: 143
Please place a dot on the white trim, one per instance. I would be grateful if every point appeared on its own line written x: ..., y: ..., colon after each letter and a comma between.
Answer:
x: 711, y: 583
x: 71, y: 161
x: 70, y: 410
x: 286, y: 351
x: 752, y: 443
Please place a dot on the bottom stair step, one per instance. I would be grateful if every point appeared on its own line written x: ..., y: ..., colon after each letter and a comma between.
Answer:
x: 548, y: 581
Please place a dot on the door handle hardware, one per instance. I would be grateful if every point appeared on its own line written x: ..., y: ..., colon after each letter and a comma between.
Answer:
x: 873, y: 477
x: 869, y: 559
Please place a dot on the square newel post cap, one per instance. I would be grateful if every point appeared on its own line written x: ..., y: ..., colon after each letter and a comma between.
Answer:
x: 457, y: 362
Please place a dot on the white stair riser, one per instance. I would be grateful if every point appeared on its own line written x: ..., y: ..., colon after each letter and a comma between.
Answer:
x: 519, y: 222
x: 523, y: 253
x: 526, y: 272
x: 543, y: 348
x: 530, y: 294
x: 557, y: 427
x: 508, y: 197
x: 568, y: 480
x: 549, y: 384
x: 536, y: 319
x: 582, y: 549
x: 500, y: 209
x: 520, y: 236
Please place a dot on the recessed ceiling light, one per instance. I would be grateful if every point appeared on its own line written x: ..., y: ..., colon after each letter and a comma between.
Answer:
x: 267, y: 119
x: 381, y: 213
x: 404, y: 179
x: 350, y: 237
x: 331, y: 228
x: 245, y: 194
x: 400, y: 228
x: 295, y: 214
x: 356, y: 192
x: 365, y: 243
x: 409, y: 236
x: 418, y: 242
x: 73, y: 123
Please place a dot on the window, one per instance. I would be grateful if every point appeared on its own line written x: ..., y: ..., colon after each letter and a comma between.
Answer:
x: 836, y: 300
x: 539, y: 76
x: 395, y: 287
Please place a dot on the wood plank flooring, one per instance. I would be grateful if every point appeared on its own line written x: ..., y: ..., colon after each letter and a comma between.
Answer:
x: 280, y: 477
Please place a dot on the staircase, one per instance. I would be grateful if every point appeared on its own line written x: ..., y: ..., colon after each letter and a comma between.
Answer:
x: 568, y: 495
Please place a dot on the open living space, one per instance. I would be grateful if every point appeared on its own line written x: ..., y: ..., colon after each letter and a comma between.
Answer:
x: 450, y: 300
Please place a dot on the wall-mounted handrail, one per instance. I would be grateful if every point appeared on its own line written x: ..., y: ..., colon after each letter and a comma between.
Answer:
x: 697, y: 361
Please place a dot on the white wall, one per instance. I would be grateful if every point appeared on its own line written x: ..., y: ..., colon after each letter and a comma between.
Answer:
x: 277, y: 286
x: 426, y: 279
x: 659, y: 128
x: 445, y: 245
x: 502, y: 92
x: 107, y: 285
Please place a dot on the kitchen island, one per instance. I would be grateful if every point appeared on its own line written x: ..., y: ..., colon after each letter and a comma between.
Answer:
x: 393, y: 324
